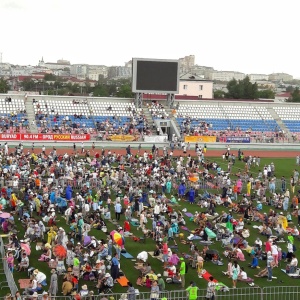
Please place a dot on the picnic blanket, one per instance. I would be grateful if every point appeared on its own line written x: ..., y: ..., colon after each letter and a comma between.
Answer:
x: 219, y: 285
x: 194, y: 237
x: 188, y: 214
x: 24, y: 283
x: 126, y: 255
x: 134, y: 223
x: 151, y: 253
x: 123, y: 281
x: 185, y: 228
x: 293, y: 275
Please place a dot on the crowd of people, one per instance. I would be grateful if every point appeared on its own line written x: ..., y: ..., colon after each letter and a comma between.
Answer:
x: 88, y: 190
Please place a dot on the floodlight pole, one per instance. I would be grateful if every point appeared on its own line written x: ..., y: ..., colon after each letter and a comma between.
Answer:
x: 139, y: 100
x: 170, y: 100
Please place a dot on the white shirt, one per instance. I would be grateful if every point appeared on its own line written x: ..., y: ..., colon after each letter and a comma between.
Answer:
x: 243, y: 275
x: 274, y: 250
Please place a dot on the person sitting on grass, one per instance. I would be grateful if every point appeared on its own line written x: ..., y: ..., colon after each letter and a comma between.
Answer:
x: 254, y: 263
x: 263, y: 273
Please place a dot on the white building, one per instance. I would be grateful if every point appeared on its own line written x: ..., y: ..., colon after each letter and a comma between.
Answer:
x: 224, y: 75
x: 60, y: 64
x: 258, y: 77
x: 186, y: 63
x: 192, y: 85
x: 79, y: 71
x: 95, y: 71
x: 280, y: 77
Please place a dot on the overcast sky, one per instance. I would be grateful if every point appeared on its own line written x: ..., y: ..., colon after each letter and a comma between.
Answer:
x: 258, y: 36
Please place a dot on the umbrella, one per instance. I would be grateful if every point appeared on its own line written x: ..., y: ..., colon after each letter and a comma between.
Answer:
x: 26, y: 248
x: 60, y: 251
x: 5, y: 215
x: 118, y: 238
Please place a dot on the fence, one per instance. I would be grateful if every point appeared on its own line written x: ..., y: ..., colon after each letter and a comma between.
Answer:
x: 10, y: 282
x: 247, y: 293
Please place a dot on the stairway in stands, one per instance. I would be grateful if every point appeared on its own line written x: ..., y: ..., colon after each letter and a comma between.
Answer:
x: 149, y: 119
x: 278, y: 120
x: 31, y: 116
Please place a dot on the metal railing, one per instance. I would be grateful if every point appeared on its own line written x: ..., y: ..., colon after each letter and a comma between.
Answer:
x: 245, y: 293
x: 10, y: 282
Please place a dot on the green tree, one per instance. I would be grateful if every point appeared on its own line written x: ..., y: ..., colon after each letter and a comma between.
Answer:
x: 124, y: 91
x: 101, y: 90
x: 50, y: 77
x: 219, y: 94
x: 295, y: 96
x: 266, y: 94
x: 3, y: 86
x: 28, y: 84
x: 242, y: 89
x: 289, y: 89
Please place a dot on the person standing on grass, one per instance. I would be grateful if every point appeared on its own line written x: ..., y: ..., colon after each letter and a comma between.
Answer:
x: 192, y: 291
x: 80, y: 224
x: 235, y: 273
x: 154, y: 291
x: 182, y: 271
x: 130, y: 291
x: 115, y: 267
x: 118, y: 210
x: 211, y: 289
x: 270, y: 265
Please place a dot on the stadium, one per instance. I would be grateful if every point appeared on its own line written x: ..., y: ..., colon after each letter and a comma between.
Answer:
x: 106, y: 196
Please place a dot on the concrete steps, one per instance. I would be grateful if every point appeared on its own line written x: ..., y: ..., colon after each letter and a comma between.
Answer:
x: 31, y: 116
x: 278, y: 121
x: 149, y: 120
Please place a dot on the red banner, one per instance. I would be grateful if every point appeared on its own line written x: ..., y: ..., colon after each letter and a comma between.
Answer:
x: 64, y: 137
x: 10, y: 136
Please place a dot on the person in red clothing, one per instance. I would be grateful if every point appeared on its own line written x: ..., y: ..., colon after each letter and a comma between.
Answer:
x: 126, y: 226
x: 165, y: 252
x: 268, y: 245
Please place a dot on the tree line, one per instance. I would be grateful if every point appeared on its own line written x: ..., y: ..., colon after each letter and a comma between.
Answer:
x: 244, y: 89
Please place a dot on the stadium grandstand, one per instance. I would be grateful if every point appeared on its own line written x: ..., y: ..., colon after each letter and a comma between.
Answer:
x: 103, y: 118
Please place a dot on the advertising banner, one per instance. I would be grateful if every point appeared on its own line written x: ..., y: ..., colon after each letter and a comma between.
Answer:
x: 200, y: 139
x: 121, y: 138
x: 44, y: 137
x: 10, y: 136
x: 237, y: 139
x: 156, y: 138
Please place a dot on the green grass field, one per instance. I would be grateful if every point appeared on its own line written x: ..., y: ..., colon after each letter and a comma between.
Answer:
x: 284, y: 167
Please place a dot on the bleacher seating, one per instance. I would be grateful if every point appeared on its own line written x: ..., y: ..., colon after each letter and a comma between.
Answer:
x: 88, y: 116
x: 289, y: 116
x: 228, y: 117
x: 119, y: 114
x: 13, y: 117
x: 157, y: 110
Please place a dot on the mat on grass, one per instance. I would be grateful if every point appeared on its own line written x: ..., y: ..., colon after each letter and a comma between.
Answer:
x: 134, y: 223
x: 127, y: 255
x: 219, y: 285
x: 24, y: 283
x: 123, y: 281
x: 151, y: 253
x: 173, y: 246
x: 294, y: 275
x: 188, y: 214
x: 185, y: 228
